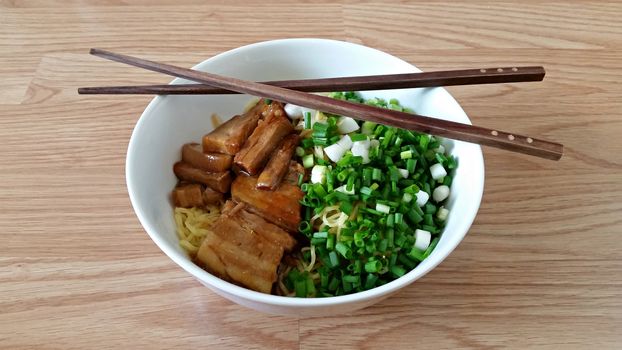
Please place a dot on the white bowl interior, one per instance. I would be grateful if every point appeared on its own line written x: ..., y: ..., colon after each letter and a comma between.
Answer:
x: 170, y: 121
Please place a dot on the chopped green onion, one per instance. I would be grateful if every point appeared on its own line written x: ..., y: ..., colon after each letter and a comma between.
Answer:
x: 320, y: 127
x: 383, y: 208
x: 343, y: 175
x: 394, y: 174
x: 368, y: 128
x: 334, y: 260
x: 304, y: 227
x: 430, y: 208
x: 418, y: 210
x: 346, y: 207
x: 398, y: 271
x: 407, y: 197
x: 428, y: 220
x: 319, y: 190
x: 334, y: 283
x: 416, y: 254
x: 307, y: 143
x: 399, y: 218
x: 429, y: 228
x: 300, y: 287
x: 398, y: 141
x: 305, y: 187
x: 431, y: 247
x: 447, y: 180
x: 404, y: 259
x: 358, y: 137
x: 387, y: 138
x: 317, y: 241
x: 344, y: 250
x: 412, y: 189
x: 377, y: 241
x: 379, y: 130
x: 300, y: 151
x: 373, y: 266
x: 320, y: 141
x: 414, y: 216
x: 442, y: 214
x: 307, y: 161
x: 370, y: 281
x: 382, y: 245
x: 376, y: 174
x: 366, y: 191
x: 424, y: 140
x: 330, y: 242
x: 351, y: 279
x: 390, y: 220
x: 329, y: 181
x: 410, y: 165
x: 321, y: 234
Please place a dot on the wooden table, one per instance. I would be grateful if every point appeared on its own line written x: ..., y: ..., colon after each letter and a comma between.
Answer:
x: 540, y: 268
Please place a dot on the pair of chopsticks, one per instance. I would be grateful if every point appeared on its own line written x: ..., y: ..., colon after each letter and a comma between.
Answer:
x: 294, y: 91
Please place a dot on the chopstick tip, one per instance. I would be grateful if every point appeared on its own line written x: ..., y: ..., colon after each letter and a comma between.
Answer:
x: 97, y: 52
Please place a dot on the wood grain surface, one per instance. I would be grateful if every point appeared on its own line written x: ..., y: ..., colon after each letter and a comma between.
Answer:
x: 541, y: 267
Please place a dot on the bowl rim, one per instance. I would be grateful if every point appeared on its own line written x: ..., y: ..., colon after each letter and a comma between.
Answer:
x: 240, y: 292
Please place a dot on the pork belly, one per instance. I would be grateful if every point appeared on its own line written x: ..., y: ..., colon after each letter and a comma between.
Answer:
x: 259, y: 225
x: 213, y: 197
x: 229, y: 137
x: 188, y: 196
x: 278, y: 165
x: 264, y: 140
x: 238, y: 254
x: 280, y: 207
x: 293, y: 173
x: 192, y: 153
x: 220, y: 181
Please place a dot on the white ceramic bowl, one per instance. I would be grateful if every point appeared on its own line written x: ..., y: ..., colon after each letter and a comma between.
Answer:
x: 170, y: 121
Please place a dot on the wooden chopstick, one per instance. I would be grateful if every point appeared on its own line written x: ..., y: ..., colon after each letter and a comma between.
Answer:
x: 358, y: 83
x: 464, y: 132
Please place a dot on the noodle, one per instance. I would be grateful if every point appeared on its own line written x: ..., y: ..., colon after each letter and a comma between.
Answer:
x: 192, y: 226
x: 312, y: 261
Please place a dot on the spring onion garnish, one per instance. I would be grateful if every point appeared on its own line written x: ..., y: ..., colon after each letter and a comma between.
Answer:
x: 437, y: 171
x: 368, y: 214
x: 440, y: 193
x: 307, y: 160
x: 347, y: 125
x: 442, y: 214
x: 422, y: 198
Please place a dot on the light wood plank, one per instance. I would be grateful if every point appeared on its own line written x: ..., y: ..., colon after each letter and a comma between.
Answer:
x: 540, y: 267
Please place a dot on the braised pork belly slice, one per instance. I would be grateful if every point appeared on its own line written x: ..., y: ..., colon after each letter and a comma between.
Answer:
x: 238, y: 254
x: 264, y: 140
x: 278, y: 165
x: 294, y: 172
x: 188, y: 196
x: 280, y: 207
x: 192, y: 153
x: 256, y: 223
x: 220, y: 181
x: 229, y: 137
x: 212, y: 197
